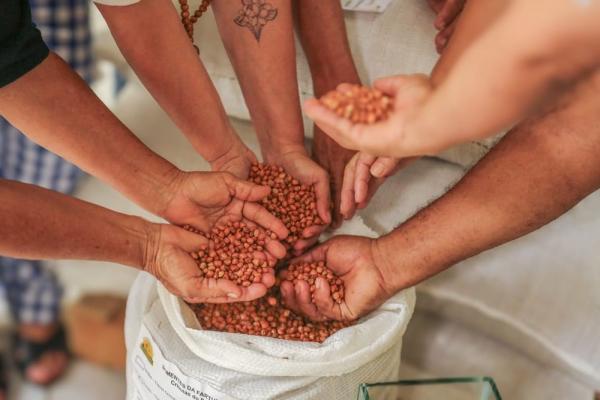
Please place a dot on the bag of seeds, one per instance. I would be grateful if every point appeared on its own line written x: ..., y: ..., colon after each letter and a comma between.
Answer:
x: 171, y: 356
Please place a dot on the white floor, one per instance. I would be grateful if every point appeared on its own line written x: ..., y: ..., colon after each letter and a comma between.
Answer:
x: 82, y: 381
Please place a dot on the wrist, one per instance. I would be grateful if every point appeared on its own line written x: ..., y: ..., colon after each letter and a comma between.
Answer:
x: 277, y: 153
x: 386, y: 263
x: 142, y: 237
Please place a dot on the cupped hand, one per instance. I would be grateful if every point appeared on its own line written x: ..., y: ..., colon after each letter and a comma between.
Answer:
x: 167, y: 257
x: 333, y: 158
x: 298, y: 164
x: 363, y: 175
x: 203, y: 199
x: 393, y: 137
x: 352, y: 259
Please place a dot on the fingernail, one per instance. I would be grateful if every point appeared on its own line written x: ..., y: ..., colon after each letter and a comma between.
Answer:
x: 377, y: 170
x: 232, y: 295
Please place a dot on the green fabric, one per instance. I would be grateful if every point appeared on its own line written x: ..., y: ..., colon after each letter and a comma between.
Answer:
x: 21, y: 44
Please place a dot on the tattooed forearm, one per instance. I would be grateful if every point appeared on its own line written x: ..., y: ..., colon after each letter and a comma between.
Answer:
x: 254, y: 15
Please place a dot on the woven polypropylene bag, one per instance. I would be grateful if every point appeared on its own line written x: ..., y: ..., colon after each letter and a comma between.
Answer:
x: 252, y: 367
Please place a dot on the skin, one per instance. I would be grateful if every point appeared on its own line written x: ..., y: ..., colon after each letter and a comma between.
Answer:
x: 513, y: 83
x: 540, y: 170
x: 266, y: 69
x: 322, y: 32
x: 180, y: 85
x: 365, y: 173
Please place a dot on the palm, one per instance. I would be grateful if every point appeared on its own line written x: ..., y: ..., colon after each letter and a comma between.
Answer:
x: 309, y: 173
x: 350, y: 258
x: 172, y: 264
x: 204, y: 202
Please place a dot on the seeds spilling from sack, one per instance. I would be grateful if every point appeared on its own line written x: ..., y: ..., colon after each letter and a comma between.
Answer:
x: 264, y: 317
x: 293, y: 203
x: 360, y: 104
x: 309, y: 272
x: 234, y: 253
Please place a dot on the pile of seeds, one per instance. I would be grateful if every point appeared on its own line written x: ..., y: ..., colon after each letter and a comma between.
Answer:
x: 233, y: 253
x: 309, y: 272
x: 264, y: 317
x: 293, y: 203
x: 360, y: 104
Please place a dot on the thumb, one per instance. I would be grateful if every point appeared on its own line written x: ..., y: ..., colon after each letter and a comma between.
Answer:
x: 244, y: 190
x: 318, y: 253
x: 189, y: 241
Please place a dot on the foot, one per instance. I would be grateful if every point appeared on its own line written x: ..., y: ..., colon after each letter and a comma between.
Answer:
x: 52, y: 363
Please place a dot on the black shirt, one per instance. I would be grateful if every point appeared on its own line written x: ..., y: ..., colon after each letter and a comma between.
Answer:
x: 21, y: 44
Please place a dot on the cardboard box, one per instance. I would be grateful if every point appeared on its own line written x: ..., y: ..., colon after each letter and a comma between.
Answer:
x: 95, y: 327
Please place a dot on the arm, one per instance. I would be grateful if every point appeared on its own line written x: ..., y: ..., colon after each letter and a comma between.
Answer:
x: 519, y: 62
x: 322, y: 32
x: 540, y: 170
x: 162, y: 56
x: 56, y: 109
x: 263, y: 54
x: 42, y: 224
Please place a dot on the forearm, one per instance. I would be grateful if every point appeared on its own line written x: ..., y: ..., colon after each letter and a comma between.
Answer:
x: 265, y: 63
x: 152, y: 39
x: 539, y: 171
x: 42, y: 224
x: 322, y: 31
x: 57, y: 110
x: 519, y: 62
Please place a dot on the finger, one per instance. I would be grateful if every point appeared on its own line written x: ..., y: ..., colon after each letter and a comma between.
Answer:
x: 288, y: 296
x: 268, y: 278
x: 328, y: 121
x: 244, y: 190
x: 312, y: 231
x: 317, y: 254
x: 347, y: 204
x: 301, y: 245
x: 443, y: 37
x: 189, y: 241
x: 383, y: 167
x: 345, y: 87
x: 323, y: 301
x: 323, y: 198
x: 262, y: 217
x: 303, y: 298
x: 253, y: 292
x: 208, y: 290
x: 276, y: 249
x: 392, y: 84
x: 362, y: 177
x: 448, y: 13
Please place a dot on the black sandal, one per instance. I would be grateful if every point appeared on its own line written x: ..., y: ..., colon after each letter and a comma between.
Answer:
x: 26, y: 352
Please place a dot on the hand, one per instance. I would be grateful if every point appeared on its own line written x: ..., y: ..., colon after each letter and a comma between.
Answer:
x: 333, y: 159
x: 393, y: 137
x: 237, y: 160
x: 298, y: 164
x: 352, y: 259
x: 168, y: 258
x: 447, y: 12
x: 363, y: 175
x: 203, y: 199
